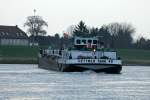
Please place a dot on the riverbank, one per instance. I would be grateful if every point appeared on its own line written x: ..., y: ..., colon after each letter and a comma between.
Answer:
x: 136, y: 62
x: 18, y: 60
x: 18, y: 54
x: 134, y: 56
x: 29, y: 55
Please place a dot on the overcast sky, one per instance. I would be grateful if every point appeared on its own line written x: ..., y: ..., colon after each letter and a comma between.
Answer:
x: 60, y: 14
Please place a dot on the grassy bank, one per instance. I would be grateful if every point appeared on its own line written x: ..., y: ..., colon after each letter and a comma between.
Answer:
x: 18, y: 60
x: 18, y: 51
x: 134, y: 56
x: 18, y: 54
x: 28, y: 55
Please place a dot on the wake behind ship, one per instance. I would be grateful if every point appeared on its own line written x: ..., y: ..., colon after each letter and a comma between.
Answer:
x: 86, y: 54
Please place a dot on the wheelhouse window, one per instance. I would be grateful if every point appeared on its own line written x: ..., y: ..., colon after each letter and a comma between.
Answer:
x: 89, y: 41
x: 94, y: 41
x: 84, y: 41
x: 78, y: 41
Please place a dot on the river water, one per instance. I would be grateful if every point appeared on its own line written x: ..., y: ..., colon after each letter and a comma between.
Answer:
x: 28, y: 82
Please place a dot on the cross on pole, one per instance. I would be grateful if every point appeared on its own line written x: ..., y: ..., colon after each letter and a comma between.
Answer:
x: 34, y: 11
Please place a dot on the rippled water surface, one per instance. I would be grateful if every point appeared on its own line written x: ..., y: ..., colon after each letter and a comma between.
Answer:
x: 27, y: 82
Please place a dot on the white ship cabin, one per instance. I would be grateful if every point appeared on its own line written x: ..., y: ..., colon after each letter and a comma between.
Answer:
x: 82, y: 43
x: 85, y: 48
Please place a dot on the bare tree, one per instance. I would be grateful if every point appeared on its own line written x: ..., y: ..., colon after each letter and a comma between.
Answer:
x: 35, y: 25
x: 116, y: 28
x: 121, y: 34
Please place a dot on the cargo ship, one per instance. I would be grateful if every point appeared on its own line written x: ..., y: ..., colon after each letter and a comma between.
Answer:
x: 85, y: 54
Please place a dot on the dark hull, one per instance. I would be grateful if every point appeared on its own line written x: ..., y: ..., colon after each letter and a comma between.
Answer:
x: 52, y: 64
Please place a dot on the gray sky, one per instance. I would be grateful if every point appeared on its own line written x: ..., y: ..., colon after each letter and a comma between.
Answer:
x: 60, y: 14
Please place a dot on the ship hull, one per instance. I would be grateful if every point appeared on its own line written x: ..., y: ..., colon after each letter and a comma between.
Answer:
x: 95, y: 67
x: 52, y: 64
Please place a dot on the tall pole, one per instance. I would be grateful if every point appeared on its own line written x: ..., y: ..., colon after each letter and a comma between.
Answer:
x: 34, y: 21
x: 34, y: 11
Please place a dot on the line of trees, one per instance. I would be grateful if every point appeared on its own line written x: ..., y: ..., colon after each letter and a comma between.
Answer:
x: 114, y: 35
x: 142, y: 43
